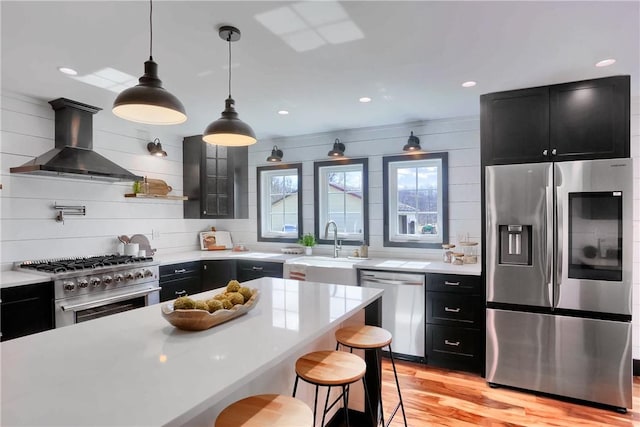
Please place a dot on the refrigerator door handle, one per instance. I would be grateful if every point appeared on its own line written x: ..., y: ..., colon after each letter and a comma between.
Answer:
x: 550, y: 239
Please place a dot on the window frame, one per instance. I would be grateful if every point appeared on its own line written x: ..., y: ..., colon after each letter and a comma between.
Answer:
x: 415, y: 243
x: 317, y: 166
x: 270, y: 168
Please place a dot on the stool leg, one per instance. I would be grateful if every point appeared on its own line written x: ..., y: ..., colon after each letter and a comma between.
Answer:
x: 395, y: 374
x: 326, y: 403
x: 379, y: 368
x: 295, y: 386
x: 345, y: 399
x: 366, y: 396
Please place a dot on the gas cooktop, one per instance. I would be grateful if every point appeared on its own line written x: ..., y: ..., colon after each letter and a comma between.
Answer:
x: 85, y: 264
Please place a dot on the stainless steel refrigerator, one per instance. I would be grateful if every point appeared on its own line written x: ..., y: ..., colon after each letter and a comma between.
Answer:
x: 558, y: 273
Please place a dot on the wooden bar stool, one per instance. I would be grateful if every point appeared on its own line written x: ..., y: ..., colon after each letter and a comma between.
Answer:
x: 365, y: 337
x: 266, y: 410
x: 330, y: 369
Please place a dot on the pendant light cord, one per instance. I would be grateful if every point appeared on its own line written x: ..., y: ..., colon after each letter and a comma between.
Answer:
x: 150, y: 30
x: 229, y: 41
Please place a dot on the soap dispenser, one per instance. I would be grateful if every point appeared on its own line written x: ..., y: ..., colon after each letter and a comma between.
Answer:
x: 364, y: 250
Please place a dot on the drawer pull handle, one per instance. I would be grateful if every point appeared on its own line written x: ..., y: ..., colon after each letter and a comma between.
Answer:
x: 446, y: 282
x: 452, y: 310
x: 182, y: 270
x: 451, y: 343
x: 254, y: 268
x: 182, y: 293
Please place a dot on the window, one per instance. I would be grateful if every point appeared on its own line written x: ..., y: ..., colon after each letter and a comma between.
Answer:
x: 415, y: 200
x: 279, y: 203
x: 341, y: 196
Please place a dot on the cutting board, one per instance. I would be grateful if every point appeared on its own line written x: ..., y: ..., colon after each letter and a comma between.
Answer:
x: 158, y: 186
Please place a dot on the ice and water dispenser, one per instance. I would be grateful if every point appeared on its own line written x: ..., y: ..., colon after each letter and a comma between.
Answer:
x: 515, y: 244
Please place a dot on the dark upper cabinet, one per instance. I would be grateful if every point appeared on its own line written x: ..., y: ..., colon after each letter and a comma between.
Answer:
x: 215, y: 179
x: 26, y: 310
x: 572, y: 121
x: 590, y: 119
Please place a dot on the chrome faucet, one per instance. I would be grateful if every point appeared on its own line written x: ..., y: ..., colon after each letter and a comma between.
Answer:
x: 336, y: 245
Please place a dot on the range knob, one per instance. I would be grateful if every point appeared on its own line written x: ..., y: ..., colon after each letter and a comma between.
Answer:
x: 148, y: 273
x: 95, y: 281
x: 118, y: 278
x: 83, y: 283
x: 139, y: 275
x: 128, y: 276
x: 107, y: 280
x: 68, y: 286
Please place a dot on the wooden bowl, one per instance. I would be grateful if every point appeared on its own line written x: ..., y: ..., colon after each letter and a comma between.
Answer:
x: 198, y: 320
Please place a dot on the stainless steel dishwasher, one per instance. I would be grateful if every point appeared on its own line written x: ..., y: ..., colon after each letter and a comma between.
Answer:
x: 402, y: 309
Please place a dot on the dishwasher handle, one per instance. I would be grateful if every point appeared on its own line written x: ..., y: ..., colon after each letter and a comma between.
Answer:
x: 368, y: 278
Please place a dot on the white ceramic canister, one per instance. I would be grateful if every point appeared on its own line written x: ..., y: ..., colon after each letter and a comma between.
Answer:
x: 131, y: 249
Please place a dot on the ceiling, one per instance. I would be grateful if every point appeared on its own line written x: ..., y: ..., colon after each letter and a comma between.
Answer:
x: 409, y: 57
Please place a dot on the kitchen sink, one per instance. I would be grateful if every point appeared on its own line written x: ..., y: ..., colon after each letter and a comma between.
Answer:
x: 324, y: 269
x: 325, y: 261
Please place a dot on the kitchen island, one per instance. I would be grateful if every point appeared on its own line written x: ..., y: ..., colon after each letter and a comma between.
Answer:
x: 135, y: 369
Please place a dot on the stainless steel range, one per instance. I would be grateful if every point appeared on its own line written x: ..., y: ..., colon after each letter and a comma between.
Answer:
x: 93, y: 287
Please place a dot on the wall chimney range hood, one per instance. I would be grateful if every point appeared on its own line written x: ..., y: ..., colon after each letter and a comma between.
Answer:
x: 73, y: 155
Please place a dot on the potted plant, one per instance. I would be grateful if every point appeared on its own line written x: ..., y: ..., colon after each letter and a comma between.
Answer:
x: 308, y: 241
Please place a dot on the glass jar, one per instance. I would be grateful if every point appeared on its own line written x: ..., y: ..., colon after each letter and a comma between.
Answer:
x: 447, y: 253
x: 457, y: 258
x: 470, y: 251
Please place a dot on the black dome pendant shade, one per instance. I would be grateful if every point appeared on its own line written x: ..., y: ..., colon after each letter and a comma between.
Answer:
x: 148, y: 102
x: 229, y: 130
x: 413, y: 144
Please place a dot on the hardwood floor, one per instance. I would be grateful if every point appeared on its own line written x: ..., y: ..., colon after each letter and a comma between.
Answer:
x: 439, y: 397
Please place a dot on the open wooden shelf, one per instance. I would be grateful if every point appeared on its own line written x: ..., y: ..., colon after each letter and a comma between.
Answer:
x: 155, y: 196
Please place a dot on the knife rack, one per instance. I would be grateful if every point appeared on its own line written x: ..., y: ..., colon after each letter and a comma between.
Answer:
x: 65, y: 210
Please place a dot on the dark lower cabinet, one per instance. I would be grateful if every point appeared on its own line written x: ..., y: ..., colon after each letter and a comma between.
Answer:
x: 178, y: 280
x: 455, y: 322
x: 249, y: 270
x: 217, y: 273
x: 26, y: 310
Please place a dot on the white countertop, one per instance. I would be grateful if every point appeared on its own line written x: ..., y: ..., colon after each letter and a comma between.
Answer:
x: 16, y: 278
x: 135, y: 369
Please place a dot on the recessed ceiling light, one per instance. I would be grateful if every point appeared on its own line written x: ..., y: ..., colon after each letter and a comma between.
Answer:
x: 68, y: 71
x: 365, y: 99
x: 283, y: 112
x: 470, y: 83
x: 605, y: 62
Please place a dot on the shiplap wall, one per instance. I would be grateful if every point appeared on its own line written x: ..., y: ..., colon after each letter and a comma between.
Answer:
x: 28, y: 228
x: 460, y: 137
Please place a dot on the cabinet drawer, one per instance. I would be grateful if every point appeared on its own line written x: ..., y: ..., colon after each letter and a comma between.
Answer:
x: 176, y: 271
x: 26, y: 310
x: 173, y: 289
x: 248, y: 270
x: 454, y: 309
x: 455, y: 348
x: 454, y: 283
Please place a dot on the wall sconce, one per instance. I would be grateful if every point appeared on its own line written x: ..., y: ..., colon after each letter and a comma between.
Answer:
x: 155, y: 148
x: 413, y: 144
x: 276, y: 155
x: 338, y: 149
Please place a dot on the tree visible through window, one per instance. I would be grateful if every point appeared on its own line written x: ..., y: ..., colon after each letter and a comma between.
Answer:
x: 341, y: 197
x: 279, y: 202
x: 415, y: 200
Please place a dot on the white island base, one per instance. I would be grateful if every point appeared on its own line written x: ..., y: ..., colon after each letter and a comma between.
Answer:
x: 135, y: 369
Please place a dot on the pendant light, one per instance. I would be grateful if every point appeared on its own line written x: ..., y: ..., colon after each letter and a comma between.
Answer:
x: 413, y: 144
x: 276, y: 155
x: 337, y: 150
x: 229, y: 129
x: 148, y: 102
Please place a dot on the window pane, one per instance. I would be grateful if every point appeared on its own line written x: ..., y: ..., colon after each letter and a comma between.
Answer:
x: 278, y: 198
x: 406, y: 178
x: 353, y: 181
